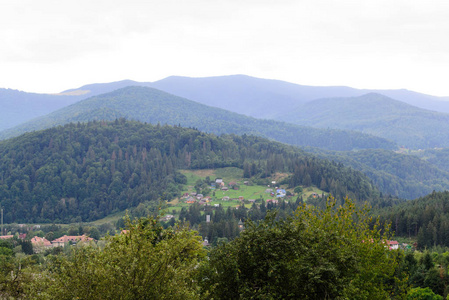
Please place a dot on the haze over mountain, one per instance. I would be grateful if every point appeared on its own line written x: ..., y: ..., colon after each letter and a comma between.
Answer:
x: 18, y: 107
x: 377, y: 115
x: 400, y: 175
x: 254, y: 95
x: 154, y: 106
x: 257, y: 97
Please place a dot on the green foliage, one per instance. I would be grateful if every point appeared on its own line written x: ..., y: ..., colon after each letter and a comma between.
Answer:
x: 17, y: 274
x: 423, y: 294
x: 148, y: 262
x: 154, y: 106
x: 425, y: 218
x: 378, y: 115
x: 83, y: 172
x: 331, y: 254
x: 399, y: 175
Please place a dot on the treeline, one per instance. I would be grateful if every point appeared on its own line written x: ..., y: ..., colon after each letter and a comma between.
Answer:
x: 399, y: 175
x: 224, y: 223
x: 153, y: 106
x: 85, y: 171
x: 315, y: 254
x: 426, y: 218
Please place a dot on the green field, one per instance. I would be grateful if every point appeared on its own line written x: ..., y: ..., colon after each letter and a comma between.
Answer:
x: 227, y: 174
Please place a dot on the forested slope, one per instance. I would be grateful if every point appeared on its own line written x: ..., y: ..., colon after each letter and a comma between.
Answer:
x: 82, y: 172
x: 154, y: 106
x: 399, y: 175
x: 426, y: 218
x: 377, y: 115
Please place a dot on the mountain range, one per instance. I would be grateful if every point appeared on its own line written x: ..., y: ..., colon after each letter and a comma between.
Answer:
x: 328, y: 109
x: 378, y: 115
x: 261, y: 98
x: 154, y: 106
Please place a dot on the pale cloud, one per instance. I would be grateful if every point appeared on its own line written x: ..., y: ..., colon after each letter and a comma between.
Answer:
x: 54, y: 45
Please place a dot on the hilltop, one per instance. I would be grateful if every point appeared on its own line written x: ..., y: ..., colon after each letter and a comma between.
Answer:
x: 153, y: 106
x: 377, y: 115
x: 85, y: 171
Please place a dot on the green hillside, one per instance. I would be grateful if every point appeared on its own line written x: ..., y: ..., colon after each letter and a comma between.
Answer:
x: 426, y: 219
x: 154, y: 106
x: 85, y: 171
x: 377, y: 115
x: 400, y: 175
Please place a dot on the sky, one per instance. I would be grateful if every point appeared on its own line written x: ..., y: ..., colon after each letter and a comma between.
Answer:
x: 48, y: 46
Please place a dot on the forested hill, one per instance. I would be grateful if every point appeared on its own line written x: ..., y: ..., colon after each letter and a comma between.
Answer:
x: 377, y: 115
x: 426, y: 218
x: 86, y: 171
x: 400, y: 175
x: 154, y: 106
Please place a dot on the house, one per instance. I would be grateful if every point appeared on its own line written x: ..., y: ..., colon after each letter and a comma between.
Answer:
x: 40, y: 244
x: 246, y: 182
x: 224, y: 188
x: 166, y: 218
x: 219, y: 182
x: 280, y: 193
x: 70, y: 239
x: 190, y: 200
x: 5, y: 237
x: 394, y: 245
x: 241, y: 198
x: 272, y: 201
x: 225, y: 198
x: 252, y: 200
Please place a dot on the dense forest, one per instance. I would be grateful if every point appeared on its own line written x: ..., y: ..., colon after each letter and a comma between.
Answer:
x: 438, y: 157
x: 426, y: 218
x: 85, y: 171
x: 375, y: 114
x: 154, y: 106
x: 399, y: 175
x: 314, y: 254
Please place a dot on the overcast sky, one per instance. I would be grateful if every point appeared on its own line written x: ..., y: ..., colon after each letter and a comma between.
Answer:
x: 50, y: 46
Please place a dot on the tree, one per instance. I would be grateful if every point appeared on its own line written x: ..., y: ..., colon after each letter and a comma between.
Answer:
x: 422, y: 294
x: 316, y: 254
x: 148, y: 262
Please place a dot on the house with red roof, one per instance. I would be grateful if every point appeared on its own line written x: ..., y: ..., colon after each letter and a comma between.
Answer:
x: 393, y: 245
x: 40, y: 244
x: 73, y: 239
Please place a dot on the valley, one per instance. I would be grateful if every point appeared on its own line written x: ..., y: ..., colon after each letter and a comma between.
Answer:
x: 118, y: 158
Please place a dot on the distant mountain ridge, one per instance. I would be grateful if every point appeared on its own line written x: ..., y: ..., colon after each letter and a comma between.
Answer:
x: 153, y: 106
x: 238, y: 93
x: 377, y: 115
x: 244, y: 92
